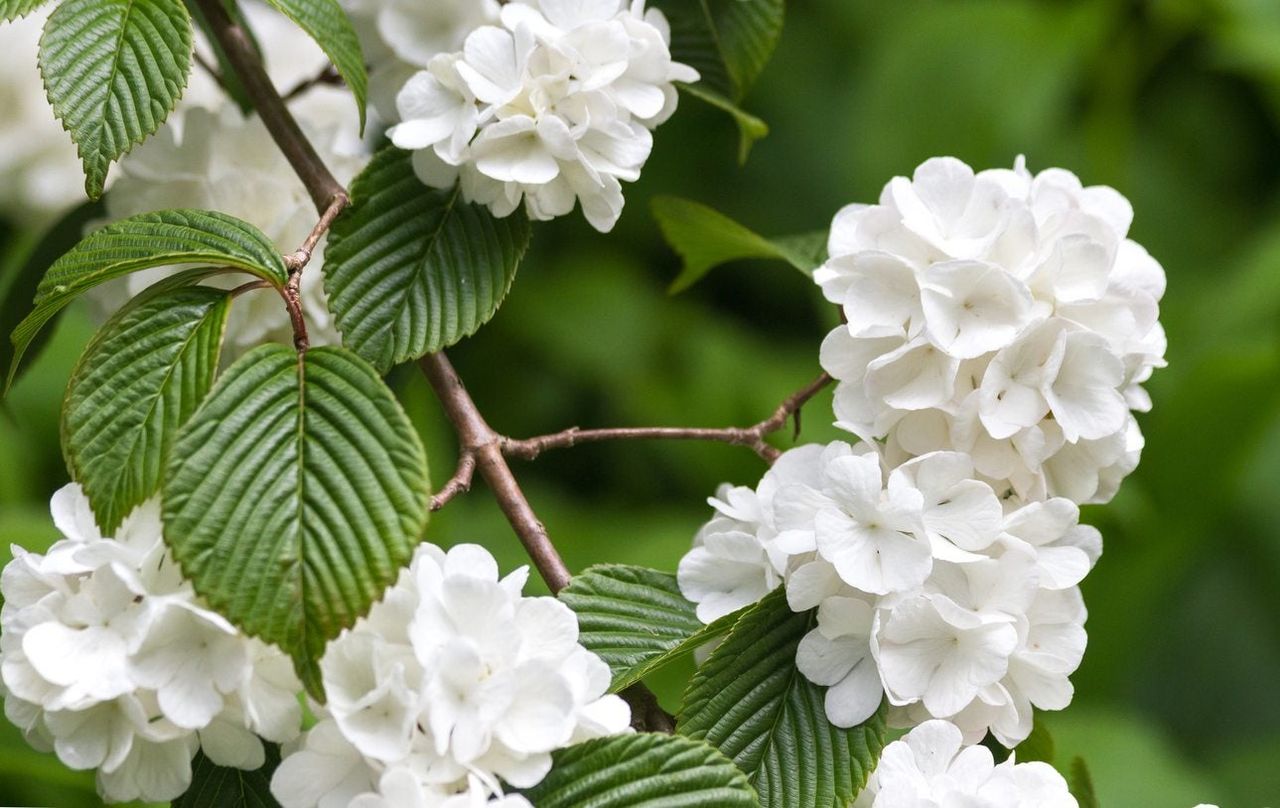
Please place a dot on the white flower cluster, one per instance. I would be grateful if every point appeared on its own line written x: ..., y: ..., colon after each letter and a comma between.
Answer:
x: 226, y: 162
x: 930, y: 766
x: 40, y: 175
x: 928, y: 589
x: 554, y: 106
x: 400, y: 37
x: 453, y: 683
x: 108, y: 658
x: 1000, y: 314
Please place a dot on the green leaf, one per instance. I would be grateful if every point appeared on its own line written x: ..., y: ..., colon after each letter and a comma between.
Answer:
x: 294, y: 496
x: 139, y: 380
x: 642, y: 771
x: 728, y: 41
x: 750, y: 701
x: 326, y: 23
x: 18, y: 289
x: 706, y: 238
x: 1037, y: 746
x: 410, y: 269
x: 636, y: 620
x: 148, y: 240
x: 1082, y: 784
x: 13, y: 9
x: 750, y: 128
x: 214, y: 786
x: 114, y: 70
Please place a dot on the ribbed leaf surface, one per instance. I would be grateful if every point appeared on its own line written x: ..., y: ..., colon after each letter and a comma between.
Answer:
x: 114, y: 70
x: 294, y: 495
x: 750, y: 701
x: 13, y: 9
x: 636, y: 620
x: 706, y: 238
x: 728, y: 41
x: 410, y: 269
x: 214, y: 786
x: 139, y: 380
x: 148, y: 240
x: 642, y: 771
x: 326, y: 23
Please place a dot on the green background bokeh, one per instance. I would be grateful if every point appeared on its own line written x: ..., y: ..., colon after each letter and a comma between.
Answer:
x: 1174, y: 102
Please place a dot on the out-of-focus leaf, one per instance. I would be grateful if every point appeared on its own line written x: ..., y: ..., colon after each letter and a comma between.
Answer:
x: 750, y: 128
x: 706, y: 238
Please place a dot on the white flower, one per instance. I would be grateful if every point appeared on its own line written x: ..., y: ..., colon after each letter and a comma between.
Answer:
x: 837, y: 655
x: 226, y: 162
x: 108, y: 658
x: 454, y: 676
x: 553, y: 106
x: 1000, y: 314
x: 930, y: 766
x: 40, y: 175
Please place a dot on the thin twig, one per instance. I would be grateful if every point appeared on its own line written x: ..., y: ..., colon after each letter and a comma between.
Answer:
x: 249, y: 287
x: 459, y: 483
x: 753, y: 437
x: 327, y: 75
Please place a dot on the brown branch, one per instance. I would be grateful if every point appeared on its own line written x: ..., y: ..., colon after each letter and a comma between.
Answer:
x: 459, y: 483
x: 478, y: 440
x: 753, y: 437
x: 244, y: 59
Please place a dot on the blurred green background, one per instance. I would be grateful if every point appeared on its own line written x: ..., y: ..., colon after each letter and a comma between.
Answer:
x: 1174, y: 102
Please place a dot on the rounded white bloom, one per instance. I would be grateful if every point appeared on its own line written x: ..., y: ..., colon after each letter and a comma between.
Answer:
x: 40, y: 174
x: 930, y: 766
x: 1000, y: 314
x: 223, y: 161
x: 551, y: 107
x: 453, y: 682
x: 108, y: 658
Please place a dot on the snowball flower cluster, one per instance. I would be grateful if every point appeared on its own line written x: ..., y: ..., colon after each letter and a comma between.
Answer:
x: 929, y: 588
x: 930, y: 766
x: 109, y: 659
x: 40, y: 175
x: 454, y: 683
x: 226, y: 162
x: 552, y: 107
x: 1000, y: 314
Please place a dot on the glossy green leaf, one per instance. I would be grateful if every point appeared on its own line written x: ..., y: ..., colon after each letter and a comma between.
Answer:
x: 114, y: 70
x: 163, y: 238
x: 706, y: 238
x: 140, y: 379
x: 642, y: 771
x: 636, y: 620
x: 294, y: 496
x: 750, y: 701
x: 326, y: 23
x: 214, y: 786
x: 410, y: 269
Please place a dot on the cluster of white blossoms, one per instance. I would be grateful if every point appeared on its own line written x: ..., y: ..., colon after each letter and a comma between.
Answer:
x: 930, y: 766
x: 40, y: 175
x: 555, y: 105
x: 109, y: 659
x: 929, y: 589
x: 1000, y: 314
x: 454, y: 684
